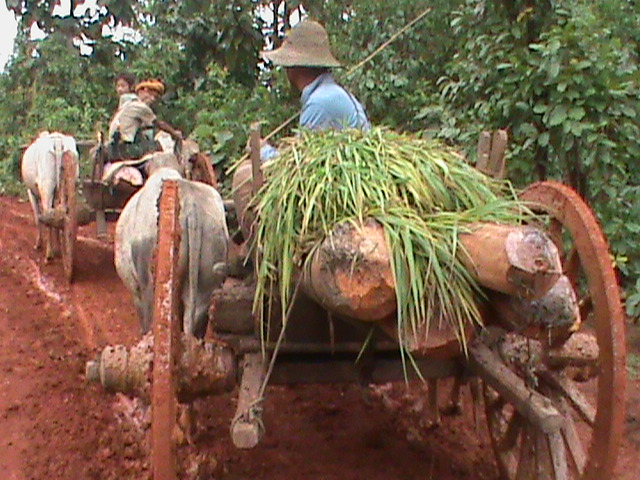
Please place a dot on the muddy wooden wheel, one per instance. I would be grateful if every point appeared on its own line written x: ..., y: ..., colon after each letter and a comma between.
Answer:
x: 166, y: 334
x: 70, y: 220
x: 588, y: 395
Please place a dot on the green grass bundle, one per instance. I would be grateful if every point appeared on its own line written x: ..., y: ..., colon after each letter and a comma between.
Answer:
x: 423, y: 194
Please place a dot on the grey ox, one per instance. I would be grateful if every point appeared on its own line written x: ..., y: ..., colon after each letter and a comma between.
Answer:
x: 203, y: 244
x: 42, y: 174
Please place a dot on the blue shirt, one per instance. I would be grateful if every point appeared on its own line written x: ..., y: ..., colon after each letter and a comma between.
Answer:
x: 326, y: 104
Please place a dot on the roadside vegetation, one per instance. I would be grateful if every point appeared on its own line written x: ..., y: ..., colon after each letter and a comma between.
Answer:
x: 561, y: 76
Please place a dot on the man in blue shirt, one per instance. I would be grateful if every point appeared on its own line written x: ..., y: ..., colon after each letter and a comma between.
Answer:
x: 306, y: 56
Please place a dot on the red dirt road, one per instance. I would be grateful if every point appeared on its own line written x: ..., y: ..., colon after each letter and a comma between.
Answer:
x: 55, y: 426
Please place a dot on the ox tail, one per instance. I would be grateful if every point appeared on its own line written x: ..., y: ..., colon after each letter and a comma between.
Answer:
x: 142, y: 264
x: 194, y: 251
x: 58, y: 152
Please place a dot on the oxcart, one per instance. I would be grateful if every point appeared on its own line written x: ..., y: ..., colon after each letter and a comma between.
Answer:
x: 60, y: 223
x: 107, y: 197
x: 554, y: 409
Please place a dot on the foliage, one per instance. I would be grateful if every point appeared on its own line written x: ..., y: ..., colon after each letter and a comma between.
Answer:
x: 10, y: 169
x: 567, y: 90
x: 633, y: 365
x: 422, y: 194
x: 562, y: 76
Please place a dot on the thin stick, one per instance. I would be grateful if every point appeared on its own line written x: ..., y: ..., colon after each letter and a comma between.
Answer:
x: 391, y: 39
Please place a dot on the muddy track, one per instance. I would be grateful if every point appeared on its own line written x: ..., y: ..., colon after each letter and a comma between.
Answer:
x: 56, y: 426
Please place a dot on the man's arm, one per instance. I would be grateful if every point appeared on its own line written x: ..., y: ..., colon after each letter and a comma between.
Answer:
x: 175, y: 133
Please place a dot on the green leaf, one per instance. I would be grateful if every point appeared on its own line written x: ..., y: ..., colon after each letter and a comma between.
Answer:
x: 223, y: 136
x: 576, y: 113
x: 543, y: 139
x: 540, y: 108
x: 554, y: 70
x: 558, y: 115
x: 628, y: 111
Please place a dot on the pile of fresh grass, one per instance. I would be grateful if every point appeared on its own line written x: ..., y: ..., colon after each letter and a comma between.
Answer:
x: 423, y: 193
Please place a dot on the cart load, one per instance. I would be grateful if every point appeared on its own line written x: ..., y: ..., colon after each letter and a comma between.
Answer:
x: 393, y: 228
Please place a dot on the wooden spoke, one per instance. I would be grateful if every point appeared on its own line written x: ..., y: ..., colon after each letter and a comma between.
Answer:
x: 573, y: 442
x: 544, y: 469
x: 585, y: 304
x: 570, y: 391
x: 558, y: 457
x: 527, y: 458
x: 555, y: 232
x: 510, y: 437
x: 571, y: 266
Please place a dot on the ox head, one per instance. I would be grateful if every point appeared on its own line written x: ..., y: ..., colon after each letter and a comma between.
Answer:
x: 157, y: 160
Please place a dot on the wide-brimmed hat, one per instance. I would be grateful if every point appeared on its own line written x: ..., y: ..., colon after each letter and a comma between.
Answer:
x: 152, y: 84
x: 306, y: 45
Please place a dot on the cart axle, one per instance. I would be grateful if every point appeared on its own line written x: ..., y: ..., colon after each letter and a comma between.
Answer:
x: 205, y: 368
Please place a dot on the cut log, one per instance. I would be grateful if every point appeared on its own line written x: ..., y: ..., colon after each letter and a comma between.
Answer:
x: 350, y: 273
x: 436, y: 340
x: 517, y: 260
x: 242, y: 191
x: 551, y: 319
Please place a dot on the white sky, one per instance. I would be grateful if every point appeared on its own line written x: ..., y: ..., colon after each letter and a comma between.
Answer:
x: 8, y: 30
x: 9, y: 26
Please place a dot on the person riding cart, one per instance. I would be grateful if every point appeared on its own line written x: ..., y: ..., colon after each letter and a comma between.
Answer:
x: 133, y: 127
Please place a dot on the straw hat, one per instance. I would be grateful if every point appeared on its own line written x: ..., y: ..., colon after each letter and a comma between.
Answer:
x: 154, y: 85
x: 306, y: 45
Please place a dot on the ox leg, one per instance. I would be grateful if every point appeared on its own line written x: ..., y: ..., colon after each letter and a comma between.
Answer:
x: 49, y: 249
x: 35, y: 206
x: 143, y: 301
x: 198, y: 326
x: 200, y: 321
x: 144, y: 307
x: 56, y: 241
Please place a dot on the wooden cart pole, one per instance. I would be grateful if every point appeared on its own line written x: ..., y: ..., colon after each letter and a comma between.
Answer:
x: 166, y: 333
x: 254, y: 146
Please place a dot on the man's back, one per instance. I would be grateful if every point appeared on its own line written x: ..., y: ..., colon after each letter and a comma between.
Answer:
x: 326, y: 104
x: 129, y: 118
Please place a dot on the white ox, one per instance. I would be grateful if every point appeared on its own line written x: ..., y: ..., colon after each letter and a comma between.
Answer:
x: 41, y: 173
x: 203, y: 244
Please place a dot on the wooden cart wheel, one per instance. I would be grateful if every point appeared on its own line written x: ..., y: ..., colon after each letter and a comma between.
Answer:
x: 166, y: 334
x: 69, y: 207
x: 592, y: 406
